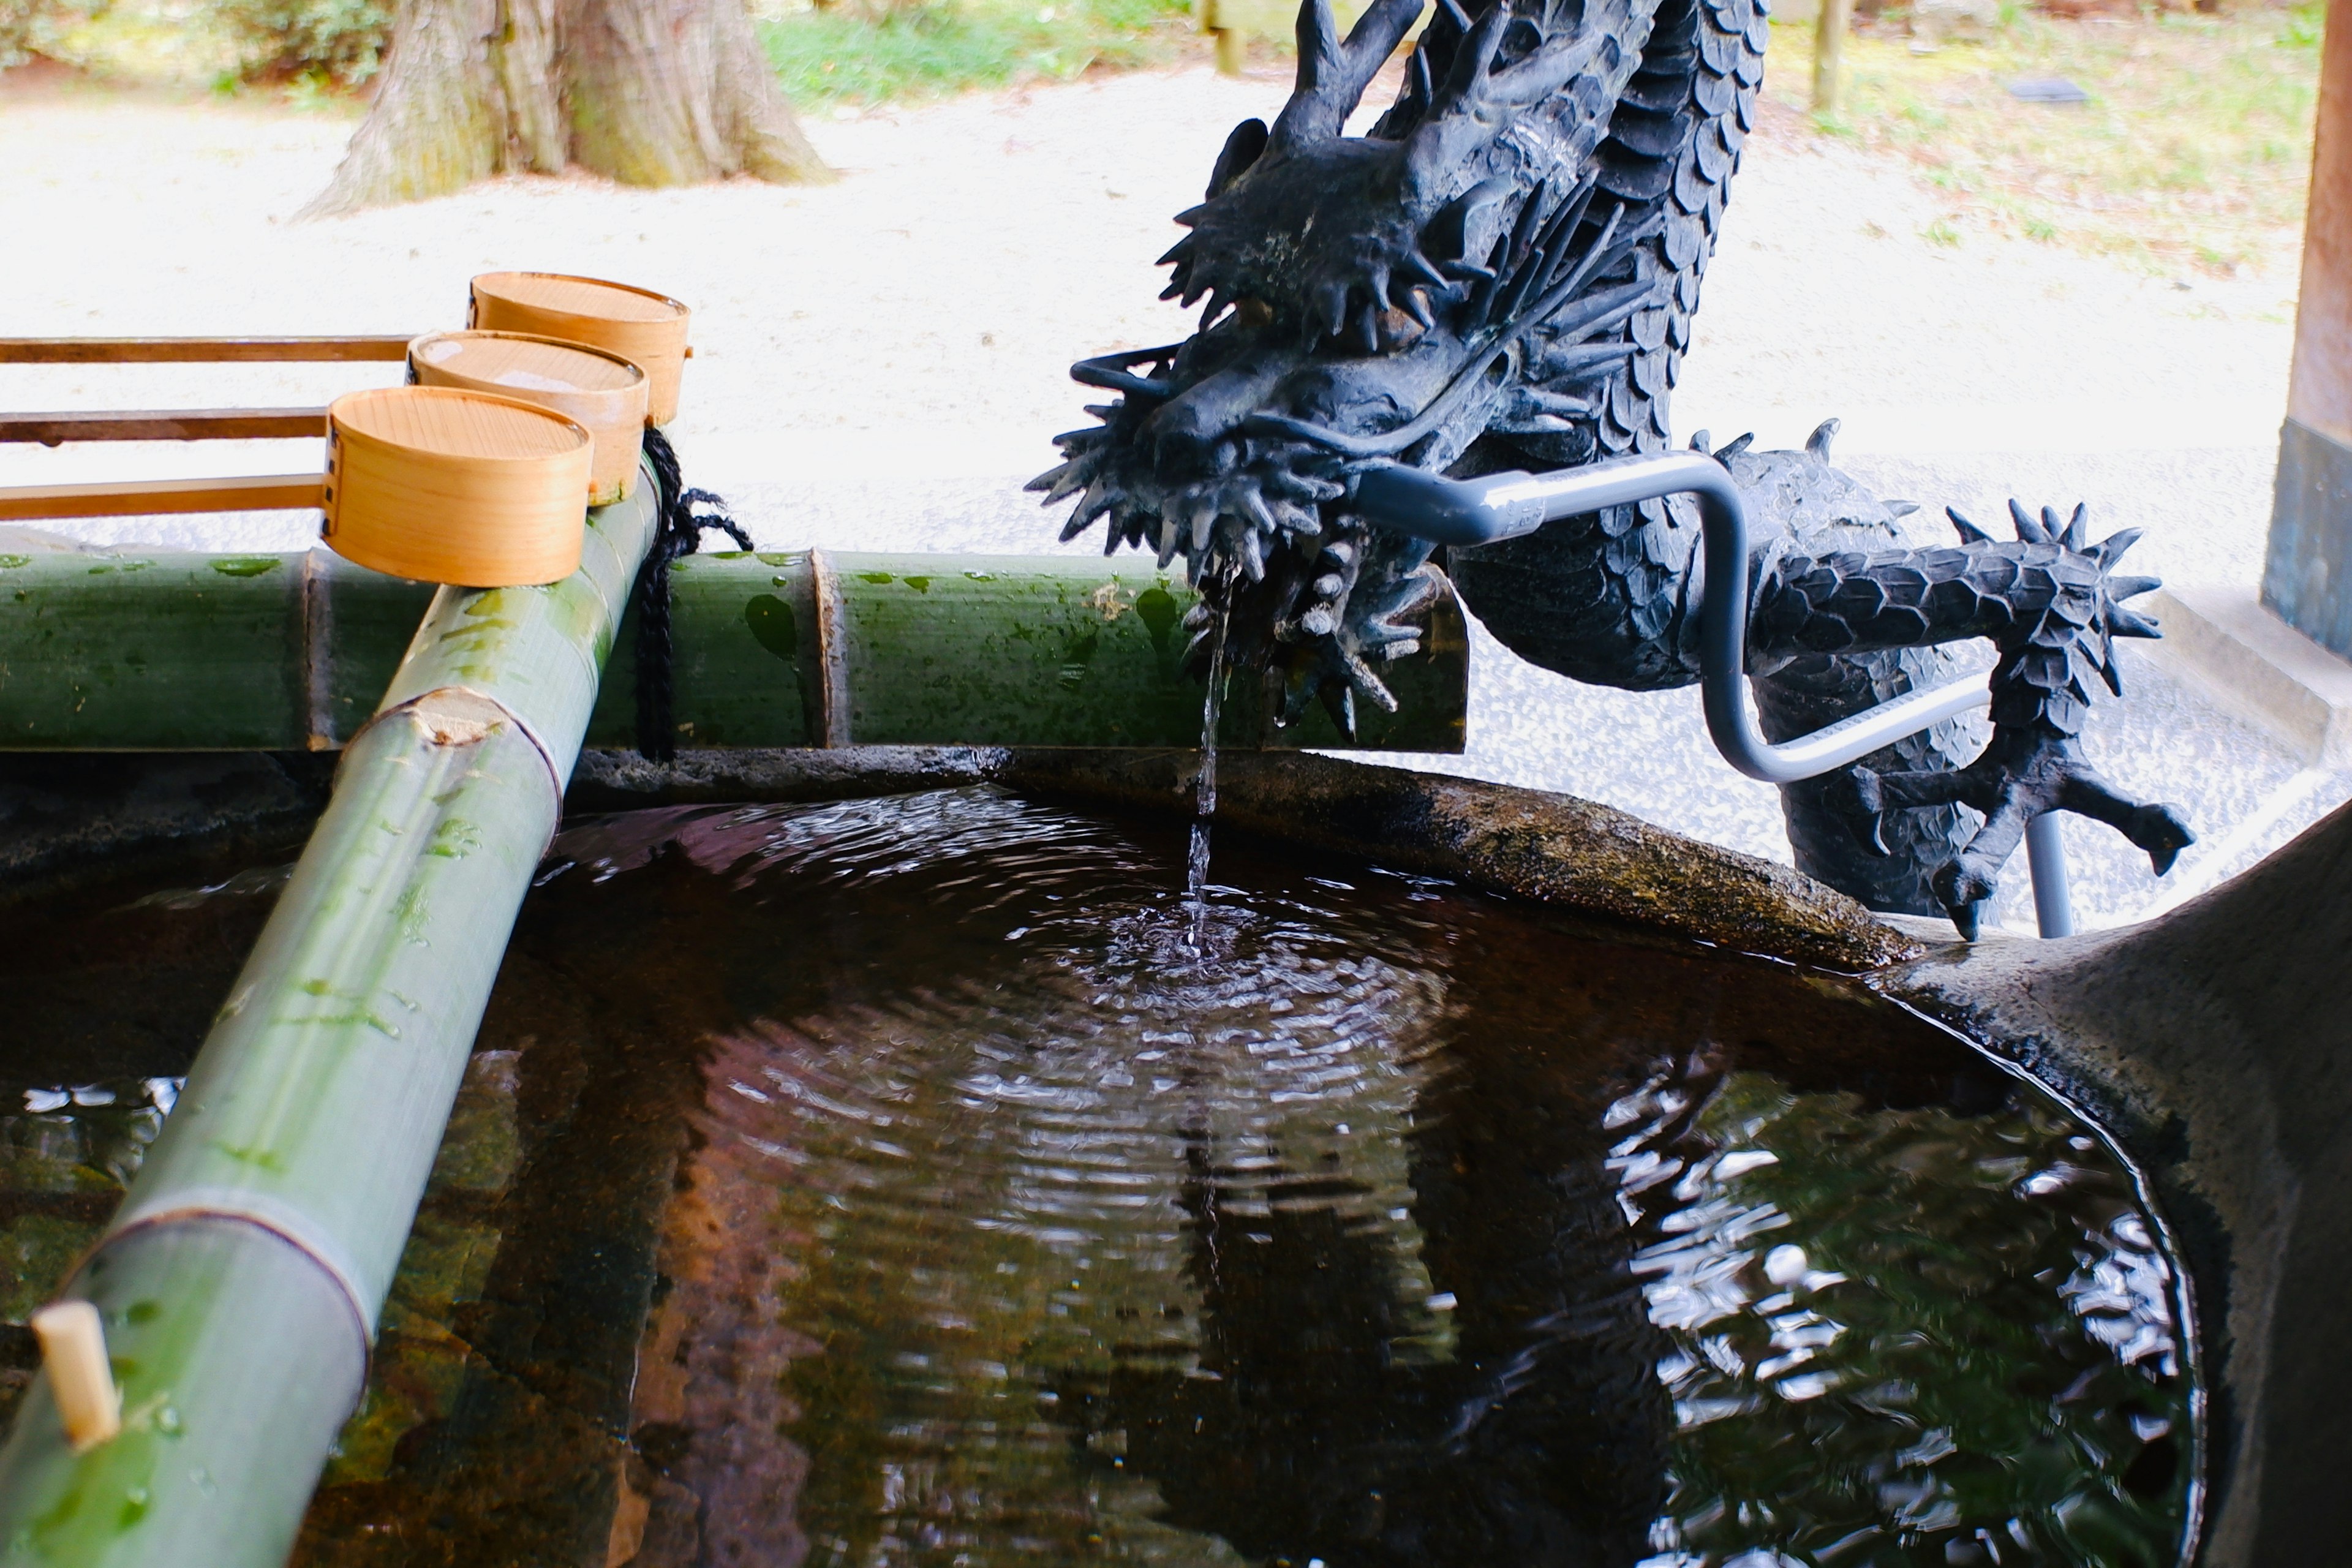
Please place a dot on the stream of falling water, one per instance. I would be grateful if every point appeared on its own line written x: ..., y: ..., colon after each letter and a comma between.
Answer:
x: 1204, y: 790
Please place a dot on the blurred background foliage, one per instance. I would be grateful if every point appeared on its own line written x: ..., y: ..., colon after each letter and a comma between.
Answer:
x: 311, y: 48
x: 337, y: 42
x: 2191, y: 149
x: 315, y: 52
x: 862, y: 52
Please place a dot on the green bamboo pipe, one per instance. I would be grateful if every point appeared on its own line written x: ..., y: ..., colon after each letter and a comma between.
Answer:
x: 240, y: 1283
x: 287, y: 652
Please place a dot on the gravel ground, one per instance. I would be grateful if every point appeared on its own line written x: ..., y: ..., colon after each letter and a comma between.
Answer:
x: 879, y: 363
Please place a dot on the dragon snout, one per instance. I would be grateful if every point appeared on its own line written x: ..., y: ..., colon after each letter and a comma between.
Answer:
x: 1190, y: 431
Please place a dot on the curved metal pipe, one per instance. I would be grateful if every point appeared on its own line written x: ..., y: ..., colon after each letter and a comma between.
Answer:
x: 1505, y: 506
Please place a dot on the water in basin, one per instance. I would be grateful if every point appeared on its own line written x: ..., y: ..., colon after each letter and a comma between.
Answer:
x: 897, y: 1183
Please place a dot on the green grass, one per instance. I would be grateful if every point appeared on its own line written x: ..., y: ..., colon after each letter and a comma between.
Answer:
x: 2194, y: 149
x: 942, y: 46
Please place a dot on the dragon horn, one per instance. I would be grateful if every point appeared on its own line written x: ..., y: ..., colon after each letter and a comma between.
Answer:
x: 2125, y: 623
x: 1479, y: 103
x: 2028, y: 530
x: 2132, y: 588
x: 1969, y: 532
x: 1419, y: 88
x: 1333, y: 74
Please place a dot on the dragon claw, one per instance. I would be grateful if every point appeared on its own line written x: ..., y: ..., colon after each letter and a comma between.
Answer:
x: 2159, y: 830
x: 2023, y: 775
x: 1963, y: 885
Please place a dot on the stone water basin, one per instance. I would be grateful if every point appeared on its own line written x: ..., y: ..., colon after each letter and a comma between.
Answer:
x: 891, y: 1180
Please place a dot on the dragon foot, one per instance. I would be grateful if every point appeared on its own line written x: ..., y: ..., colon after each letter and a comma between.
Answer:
x: 2041, y: 698
x: 2021, y: 776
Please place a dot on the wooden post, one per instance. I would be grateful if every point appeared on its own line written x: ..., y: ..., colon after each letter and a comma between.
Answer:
x: 2307, y: 577
x: 1830, y: 28
x: 1233, y: 43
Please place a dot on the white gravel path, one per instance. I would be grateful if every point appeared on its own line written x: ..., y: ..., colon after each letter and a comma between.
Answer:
x: 880, y: 362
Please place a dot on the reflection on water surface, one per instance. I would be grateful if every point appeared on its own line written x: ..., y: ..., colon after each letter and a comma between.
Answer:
x: 888, y: 1182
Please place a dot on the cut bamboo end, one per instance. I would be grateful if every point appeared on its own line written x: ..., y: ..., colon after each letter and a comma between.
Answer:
x: 450, y: 486
x: 598, y: 389
x: 647, y: 329
x: 73, y: 1352
x: 453, y: 716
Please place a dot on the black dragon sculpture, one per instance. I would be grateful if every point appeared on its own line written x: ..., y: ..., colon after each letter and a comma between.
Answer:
x: 1501, y: 275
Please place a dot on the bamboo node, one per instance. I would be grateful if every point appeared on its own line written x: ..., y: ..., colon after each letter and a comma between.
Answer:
x: 453, y: 716
x: 73, y: 1352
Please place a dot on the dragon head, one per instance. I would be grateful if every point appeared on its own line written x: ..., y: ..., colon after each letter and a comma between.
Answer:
x: 1385, y: 298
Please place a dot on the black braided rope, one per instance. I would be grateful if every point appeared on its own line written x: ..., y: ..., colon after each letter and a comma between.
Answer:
x: 679, y: 535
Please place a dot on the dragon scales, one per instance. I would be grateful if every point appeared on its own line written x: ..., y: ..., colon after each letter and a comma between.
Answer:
x: 1501, y: 275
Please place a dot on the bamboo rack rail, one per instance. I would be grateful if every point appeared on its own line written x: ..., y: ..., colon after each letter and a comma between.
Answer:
x: 196, y: 652
x: 239, y: 1283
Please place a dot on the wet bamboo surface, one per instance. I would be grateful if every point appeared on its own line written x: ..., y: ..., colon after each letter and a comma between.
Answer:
x: 246, y: 1270
x: 177, y: 652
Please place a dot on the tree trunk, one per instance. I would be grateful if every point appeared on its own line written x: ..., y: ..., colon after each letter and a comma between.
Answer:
x: 647, y: 92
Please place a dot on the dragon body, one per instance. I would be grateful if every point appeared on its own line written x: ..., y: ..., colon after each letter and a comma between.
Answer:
x: 1501, y: 275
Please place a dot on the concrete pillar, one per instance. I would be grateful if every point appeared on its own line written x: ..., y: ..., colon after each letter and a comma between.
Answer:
x: 2307, y: 578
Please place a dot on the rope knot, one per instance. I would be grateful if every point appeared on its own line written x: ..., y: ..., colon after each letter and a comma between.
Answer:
x: 679, y: 535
